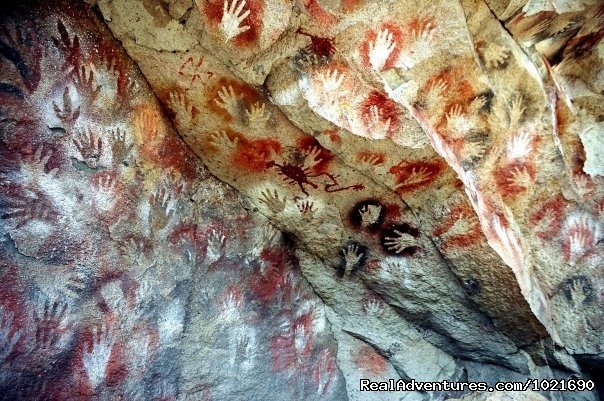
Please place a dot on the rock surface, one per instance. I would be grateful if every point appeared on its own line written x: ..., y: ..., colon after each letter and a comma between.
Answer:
x: 273, y: 199
x: 504, y: 396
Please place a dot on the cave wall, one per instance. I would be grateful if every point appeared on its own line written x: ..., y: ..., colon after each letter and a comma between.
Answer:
x: 273, y: 199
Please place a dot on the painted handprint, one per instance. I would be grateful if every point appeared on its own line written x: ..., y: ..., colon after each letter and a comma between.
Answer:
x: 273, y: 201
x: 381, y: 49
x: 520, y: 146
x: 495, y: 56
x: 76, y: 283
x: 51, y: 326
x: 9, y: 336
x: 369, y: 161
x: 421, y: 46
x: 84, y: 79
x: 578, y: 294
x: 222, y: 141
x: 24, y: 209
x: 90, y: 147
x: 67, y: 114
x: 311, y: 157
x: 459, y: 123
x: 162, y: 209
x: 324, y: 371
x: 243, y: 349
x: 216, y: 246
x: 331, y: 80
x: 300, y: 337
x: 33, y: 166
x: 545, y: 221
x: 401, y: 240
x: 373, y: 307
x: 578, y: 290
x: 306, y: 209
x: 377, y: 128
x: 520, y: 178
x: 68, y: 46
x: 120, y: 149
x: 183, y: 109
x: 353, y: 257
x: 96, y: 356
x: 231, y: 306
x: 418, y: 175
x: 516, y: 112
x: 434, y: 97
x: 228, y: 100
x: 474, y: 149
x: 370, y: 215
x: 582, y: 235
x: 233, y: 15
x: 18, y: 47
x: 582, y: 184
x: 258, y: 116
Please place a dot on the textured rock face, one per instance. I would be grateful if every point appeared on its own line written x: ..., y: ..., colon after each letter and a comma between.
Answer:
x: 123, y: 259
x: 272, y: 199
x: 501, y: 396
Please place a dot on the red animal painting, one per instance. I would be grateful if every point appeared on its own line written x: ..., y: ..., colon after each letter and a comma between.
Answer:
x: 308, y: 169
x: 322, y: 47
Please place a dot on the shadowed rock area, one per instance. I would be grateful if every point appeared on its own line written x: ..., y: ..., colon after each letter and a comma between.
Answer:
x: 275, y: 199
